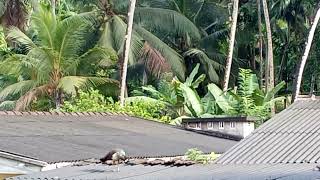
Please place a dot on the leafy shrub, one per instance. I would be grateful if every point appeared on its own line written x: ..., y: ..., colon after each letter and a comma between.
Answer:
x: 199, y: 157
x: 93, y: 101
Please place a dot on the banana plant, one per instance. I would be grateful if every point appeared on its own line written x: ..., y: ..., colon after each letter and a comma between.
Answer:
x: 249, y: 99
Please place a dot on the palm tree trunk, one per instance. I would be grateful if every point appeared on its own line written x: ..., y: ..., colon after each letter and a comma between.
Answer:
x: 53, y: 7
x: 231, y: 43
x: 300, y: 68
x: 270, y: 69
x: 313, y: 82
x: 260, y: 43
x: 270, y: 77
x: 126, y: 51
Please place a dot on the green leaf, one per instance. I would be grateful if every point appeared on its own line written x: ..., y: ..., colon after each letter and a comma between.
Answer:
x: 69, y: 84
x: 167, y: 21
x: 17, y: 36
x: 199, y: 80
x: 113, y: 37
x: 211, y: 67
x: 192, y: 100
x: 45, y: 23
x: 192, y: 75
x: 18, y: 88
x: 220, y: 98
x: 173, y: 58
x: 7, y: 105
x: 274, y: 91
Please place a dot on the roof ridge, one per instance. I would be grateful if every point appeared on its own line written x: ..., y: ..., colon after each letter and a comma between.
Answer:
x: 59, y: 113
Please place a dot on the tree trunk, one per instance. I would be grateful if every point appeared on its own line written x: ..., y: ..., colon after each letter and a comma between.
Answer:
x: 126, y: 51
x: 270, y: 77
x: 313, y: 82
x: 53, y: 7
x: 231, y: 44
x: 300, y: 68
x: 260, y: 43
x: 270, y: 70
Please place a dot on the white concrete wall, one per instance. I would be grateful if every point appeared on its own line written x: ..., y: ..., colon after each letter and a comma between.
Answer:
x: 248, y: 128
x: 241, y: 128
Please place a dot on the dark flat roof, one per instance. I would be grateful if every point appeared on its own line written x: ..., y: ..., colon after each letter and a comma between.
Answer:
x: 209, y: 172
x: 71, y: 137
x: 292, y: 136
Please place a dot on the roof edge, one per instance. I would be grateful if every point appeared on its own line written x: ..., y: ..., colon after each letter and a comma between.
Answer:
x: 221, y: 118
x: 214, y: 134
x: 22, y: 158
x: 53, y: 113
x: 307, y: 97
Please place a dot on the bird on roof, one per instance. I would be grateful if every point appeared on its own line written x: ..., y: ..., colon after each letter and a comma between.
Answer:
x: 115, y: 155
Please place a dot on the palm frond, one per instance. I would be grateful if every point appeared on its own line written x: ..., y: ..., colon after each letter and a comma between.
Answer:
x: 6, y: 80
x: 215, y: 36
x: 24, y: 101
x: 39, y: 63
x: 44, y: 23
x: 17, y: 65
x: 154, y: 61
x: 101, y: 56
x: 70, y: 37
x: 7, y: 105
x: 10, y: 66
x: 173, y: 58
x: 211, y: 67
x: 167, y: 21
x: 96, y: 57
x: 113, y: 37
x: 70, y: 84
x: 19, y: 88
x: 17, y: 36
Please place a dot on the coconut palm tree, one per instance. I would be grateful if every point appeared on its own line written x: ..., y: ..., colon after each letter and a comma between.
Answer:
x: 145, y: 45
x: 260, y: 41
x: 55, y: 62
x: 202, y: 47
x: 297, y: 83
x: 234, y: 21
x: 270, y: 68
x: 164, y: 32
x: 53, y: 6
x: 126, y: 51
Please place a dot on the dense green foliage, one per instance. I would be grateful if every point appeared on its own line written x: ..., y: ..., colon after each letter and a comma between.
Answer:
x: 50, y: 58
x: 93, y: 101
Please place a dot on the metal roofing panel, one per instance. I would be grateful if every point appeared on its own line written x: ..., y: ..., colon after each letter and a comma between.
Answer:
x: 212, y: 172
x: 52, y: 138
x: 292, y: 136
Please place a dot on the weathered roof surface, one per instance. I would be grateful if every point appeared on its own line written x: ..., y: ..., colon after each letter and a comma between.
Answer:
x: 292, y: 136
x: 212, y: 172
x: 57, y: 138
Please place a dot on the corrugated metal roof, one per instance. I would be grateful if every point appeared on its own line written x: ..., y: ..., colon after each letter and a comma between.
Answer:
x: 62, y: 138
x: 292, y: 136
x: 210, y: 172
